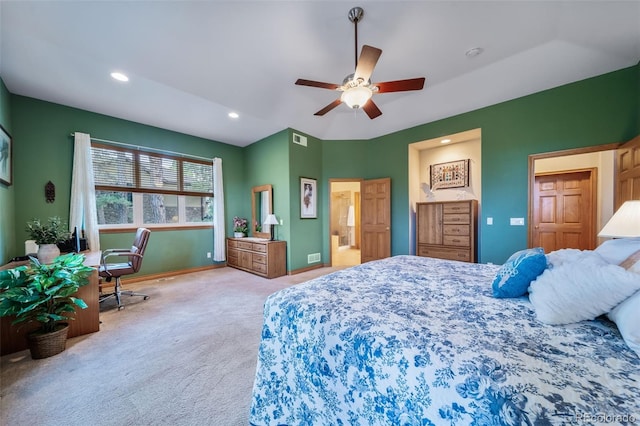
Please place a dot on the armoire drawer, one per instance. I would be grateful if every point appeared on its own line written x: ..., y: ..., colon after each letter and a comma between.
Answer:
x: 445, y: 253
x: 456, y: 229
x: 456, y: 240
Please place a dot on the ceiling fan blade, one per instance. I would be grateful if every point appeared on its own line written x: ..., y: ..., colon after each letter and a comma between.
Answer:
x: 368, y: 59
x: 371, y: 109
x: 329, y: 107
x: 400, y: 85
x: 303, y: 82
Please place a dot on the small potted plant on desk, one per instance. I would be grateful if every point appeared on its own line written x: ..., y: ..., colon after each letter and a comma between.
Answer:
x: 42, y: 293
x: 240, y: 227
x: 47, y: 236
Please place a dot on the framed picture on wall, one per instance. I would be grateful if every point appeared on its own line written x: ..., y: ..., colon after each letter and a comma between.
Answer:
x: 308, y: 198
x: 454, y: 174
x: 6, y: 154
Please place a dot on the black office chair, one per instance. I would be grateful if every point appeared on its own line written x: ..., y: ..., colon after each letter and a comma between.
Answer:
x: 134, y: 256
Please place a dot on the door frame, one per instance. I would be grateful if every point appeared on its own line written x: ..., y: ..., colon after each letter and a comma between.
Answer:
x: 553, y: 154
x: 332, y: 180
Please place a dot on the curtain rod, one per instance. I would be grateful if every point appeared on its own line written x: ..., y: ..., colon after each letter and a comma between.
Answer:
x: 144, y: 148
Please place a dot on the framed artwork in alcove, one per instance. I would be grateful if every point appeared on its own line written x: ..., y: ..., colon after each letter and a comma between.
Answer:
x: 454, y: 174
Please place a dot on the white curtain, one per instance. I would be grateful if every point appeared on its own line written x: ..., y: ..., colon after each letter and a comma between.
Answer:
x: 219, y: 234
x: 83, y: 214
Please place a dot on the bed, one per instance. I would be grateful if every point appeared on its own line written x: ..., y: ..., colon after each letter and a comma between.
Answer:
x: 419, y: 341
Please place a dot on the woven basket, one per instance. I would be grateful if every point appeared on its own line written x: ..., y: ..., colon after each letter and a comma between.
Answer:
x: 48, y: 344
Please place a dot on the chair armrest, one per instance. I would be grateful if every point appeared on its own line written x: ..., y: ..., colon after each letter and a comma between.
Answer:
x: 108, y: 252
x: 117, y: 253
x: 125, y: 254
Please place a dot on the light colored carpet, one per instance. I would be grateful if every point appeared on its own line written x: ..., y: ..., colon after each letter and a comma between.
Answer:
x: 186, y: 356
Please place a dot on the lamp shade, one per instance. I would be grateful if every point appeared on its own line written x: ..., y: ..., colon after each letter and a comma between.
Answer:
x: 625, y: 223
x: 356, y: 97
x: 271, y: 220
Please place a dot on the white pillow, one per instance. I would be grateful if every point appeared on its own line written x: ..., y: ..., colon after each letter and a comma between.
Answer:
x: 569, y: 255
x: 580, y: 290
x: 617, y: 250
x: 627, y: 317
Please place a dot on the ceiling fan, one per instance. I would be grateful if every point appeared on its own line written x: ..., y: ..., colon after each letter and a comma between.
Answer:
x: 357, y: 88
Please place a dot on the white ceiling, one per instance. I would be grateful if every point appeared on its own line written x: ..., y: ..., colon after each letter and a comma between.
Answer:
x: 192, y: 62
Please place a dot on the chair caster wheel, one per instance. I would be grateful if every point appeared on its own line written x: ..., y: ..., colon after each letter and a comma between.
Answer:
x: 120, y: 308
x: 146, y: 297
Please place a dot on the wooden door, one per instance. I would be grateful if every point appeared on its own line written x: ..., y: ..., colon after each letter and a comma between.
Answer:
x: 376, y: 219
x: 564, y: 210
x: 628, y: 172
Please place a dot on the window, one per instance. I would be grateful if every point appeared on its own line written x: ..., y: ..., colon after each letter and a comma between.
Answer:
x: 140, y: 188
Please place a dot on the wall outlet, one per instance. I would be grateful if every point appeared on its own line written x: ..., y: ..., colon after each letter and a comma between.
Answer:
x: 489, y: 221
x: 517, y: 221
x: 208, y: 255
x: 281, y: 222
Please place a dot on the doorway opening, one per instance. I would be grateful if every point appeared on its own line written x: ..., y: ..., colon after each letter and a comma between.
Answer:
x: 601, y: 159
x: 345, y: 222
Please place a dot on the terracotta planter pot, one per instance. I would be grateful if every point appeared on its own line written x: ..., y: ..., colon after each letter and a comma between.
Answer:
x: 44, y: 345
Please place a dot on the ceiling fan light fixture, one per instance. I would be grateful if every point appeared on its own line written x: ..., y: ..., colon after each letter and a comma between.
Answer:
x: 356, y: 97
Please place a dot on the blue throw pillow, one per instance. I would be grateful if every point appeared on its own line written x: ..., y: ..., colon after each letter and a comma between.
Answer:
x: 519, y: 270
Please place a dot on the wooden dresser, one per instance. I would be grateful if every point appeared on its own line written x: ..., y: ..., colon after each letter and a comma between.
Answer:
x: 261, y: 257
x: 447, y: 230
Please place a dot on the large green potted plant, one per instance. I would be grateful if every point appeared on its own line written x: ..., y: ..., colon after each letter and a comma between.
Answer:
x: 47, y: 235
x: 43, y: 293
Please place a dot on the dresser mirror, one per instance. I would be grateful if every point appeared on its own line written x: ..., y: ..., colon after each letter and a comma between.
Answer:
x: 261, y: 206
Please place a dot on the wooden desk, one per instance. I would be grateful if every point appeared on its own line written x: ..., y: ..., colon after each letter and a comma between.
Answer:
x: 12, y: 337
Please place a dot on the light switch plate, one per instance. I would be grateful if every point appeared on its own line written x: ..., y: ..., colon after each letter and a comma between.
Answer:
x: 517, y: 221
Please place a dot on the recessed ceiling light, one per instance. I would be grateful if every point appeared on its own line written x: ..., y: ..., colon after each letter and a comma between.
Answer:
x: 233, y: 115
x: 473, y: 52
x: 119, y: 76
x: 445, y: 141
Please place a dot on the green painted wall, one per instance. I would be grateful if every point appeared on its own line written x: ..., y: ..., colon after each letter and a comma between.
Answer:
x: 7, y: 201
x: 44, y: 151
x: 266, y: 163
x: 595, y: 111
x: 343, y: 159
x: 591, y: 112
x: 306, y: 234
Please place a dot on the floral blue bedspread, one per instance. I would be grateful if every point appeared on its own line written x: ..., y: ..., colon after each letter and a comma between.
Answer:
x: 419, y: 341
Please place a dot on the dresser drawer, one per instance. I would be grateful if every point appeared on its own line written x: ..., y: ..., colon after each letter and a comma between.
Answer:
x: 456, y: 208
x: 456, y: 218
x: 456, y: 229
x: 232, y: 243
x: 262, y: 248
x: 456, y: 240
x: 259, y: 258
x: 260, y: 268
x: 232, y: 257
x: 244, y: 245
x: 445, y: 253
